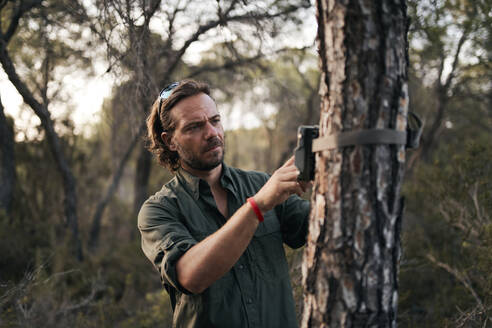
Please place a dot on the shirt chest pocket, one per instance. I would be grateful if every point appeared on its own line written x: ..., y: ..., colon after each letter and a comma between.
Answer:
x: 267, y: 249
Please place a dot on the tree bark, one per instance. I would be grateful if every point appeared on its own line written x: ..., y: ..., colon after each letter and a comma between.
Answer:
x: 7, y: 162
x: 350, y: 264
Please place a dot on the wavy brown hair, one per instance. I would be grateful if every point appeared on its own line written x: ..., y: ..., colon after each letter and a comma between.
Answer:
x: 156, y: 125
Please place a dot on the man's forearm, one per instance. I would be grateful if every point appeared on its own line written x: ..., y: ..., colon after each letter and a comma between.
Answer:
x: 211, y: 258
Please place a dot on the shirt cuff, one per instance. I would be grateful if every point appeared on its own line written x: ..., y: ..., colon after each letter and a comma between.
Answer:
x: 173, y: 250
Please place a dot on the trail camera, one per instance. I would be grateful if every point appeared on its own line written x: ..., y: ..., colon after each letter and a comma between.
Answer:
x: 304, y: 156
x: 308, y: 142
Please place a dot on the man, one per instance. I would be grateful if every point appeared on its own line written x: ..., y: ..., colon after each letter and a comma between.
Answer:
x: 216, y: 233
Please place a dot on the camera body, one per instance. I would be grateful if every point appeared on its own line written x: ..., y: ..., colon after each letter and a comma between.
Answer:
x: 304, y: 156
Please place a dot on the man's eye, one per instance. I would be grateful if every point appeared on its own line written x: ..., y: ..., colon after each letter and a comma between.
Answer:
x: 216, y: 121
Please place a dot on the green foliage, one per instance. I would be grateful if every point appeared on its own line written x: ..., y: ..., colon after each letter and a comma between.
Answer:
x: 156, y: 313
x: 41, y: 283
x: 445, y: 274
x: 108, y: 292
x: 18, y: 253
x: 48, y: 47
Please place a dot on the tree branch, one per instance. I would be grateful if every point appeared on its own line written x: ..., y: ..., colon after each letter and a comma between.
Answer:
x: 170, y: 28
x: 459, y: 276
x: 150, y: 13
x: 202, y: 29
x: 96, y: 287
x: 96, y: 219
x: 451, y: 75
x: 473, y: 193
x: 442, y: 90
x: 14, y: 78
x: 7, y: 157
x: 227, y: 65
x: 16, y: 16
x: 442, y: 96
x: 238, y: 62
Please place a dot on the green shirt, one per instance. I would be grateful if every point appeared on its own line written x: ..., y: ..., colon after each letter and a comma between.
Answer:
x: 256, y: 292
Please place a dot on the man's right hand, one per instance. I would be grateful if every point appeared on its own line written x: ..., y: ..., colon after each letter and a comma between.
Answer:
x: 279, y: 187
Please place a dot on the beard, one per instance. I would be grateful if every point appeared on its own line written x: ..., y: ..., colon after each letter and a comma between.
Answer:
x: 196, y: 162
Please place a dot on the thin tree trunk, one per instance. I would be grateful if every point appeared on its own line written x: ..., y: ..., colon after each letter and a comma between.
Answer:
x: 142, y: 175
x: 7, y: 162
x: 69, y: 183
x: 115, y: 181
x: 351, y: 259
x: 430, y: 138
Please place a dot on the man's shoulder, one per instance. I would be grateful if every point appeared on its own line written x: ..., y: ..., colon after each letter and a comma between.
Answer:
x: 168, y: 191
x: 166, y: 197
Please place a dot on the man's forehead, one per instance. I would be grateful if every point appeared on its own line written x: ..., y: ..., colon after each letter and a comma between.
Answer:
x: 197, y: 107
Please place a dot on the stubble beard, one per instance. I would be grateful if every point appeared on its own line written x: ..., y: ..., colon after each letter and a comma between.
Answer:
x: 197, y: 163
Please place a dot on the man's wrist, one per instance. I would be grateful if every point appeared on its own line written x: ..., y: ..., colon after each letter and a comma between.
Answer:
x: 263, y: 206
x: 254, y: 205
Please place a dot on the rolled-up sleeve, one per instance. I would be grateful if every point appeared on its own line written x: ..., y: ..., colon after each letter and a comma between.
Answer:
x: 164, y: 239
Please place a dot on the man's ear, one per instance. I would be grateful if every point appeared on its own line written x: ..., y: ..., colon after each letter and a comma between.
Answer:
x: 167, y: 138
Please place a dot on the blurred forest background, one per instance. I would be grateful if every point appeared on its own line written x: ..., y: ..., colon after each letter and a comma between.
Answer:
x: 69, y: 247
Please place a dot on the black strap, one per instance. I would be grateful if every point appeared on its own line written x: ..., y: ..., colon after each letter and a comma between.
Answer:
x: 410, y: 137
x: 414, y: 130
x: 362, y: 137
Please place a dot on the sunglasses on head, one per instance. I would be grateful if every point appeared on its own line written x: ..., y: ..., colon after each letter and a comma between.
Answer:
x: 164, y: 94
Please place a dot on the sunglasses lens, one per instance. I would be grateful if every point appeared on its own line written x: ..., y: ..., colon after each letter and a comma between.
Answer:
x: 166, y: 92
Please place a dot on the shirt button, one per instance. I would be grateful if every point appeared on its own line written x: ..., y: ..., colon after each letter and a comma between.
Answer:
x: 241, y: 266
x: 249, y: 301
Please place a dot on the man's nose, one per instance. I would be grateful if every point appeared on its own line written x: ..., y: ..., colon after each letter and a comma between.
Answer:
x: 211, y: 130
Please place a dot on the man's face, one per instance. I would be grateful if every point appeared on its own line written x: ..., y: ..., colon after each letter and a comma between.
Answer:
x: 198, y: 137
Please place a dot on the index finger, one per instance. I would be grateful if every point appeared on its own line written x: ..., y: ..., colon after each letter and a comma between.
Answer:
x: 289, y: 162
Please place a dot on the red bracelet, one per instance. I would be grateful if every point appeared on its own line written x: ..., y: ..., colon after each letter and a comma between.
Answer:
x: 255, y: 207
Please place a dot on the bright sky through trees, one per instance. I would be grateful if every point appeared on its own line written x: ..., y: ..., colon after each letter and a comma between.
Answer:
x: 86, y: 94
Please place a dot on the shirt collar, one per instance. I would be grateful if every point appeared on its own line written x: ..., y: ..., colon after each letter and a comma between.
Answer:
x: 192, y: 183
x: 189, y: 181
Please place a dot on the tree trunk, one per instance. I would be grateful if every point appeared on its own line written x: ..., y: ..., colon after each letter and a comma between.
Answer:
x: 115, y: 181
x: 351, y: 259
x: 142, y: 175
x: 54, y: 142
x: 7, y: 162
x: 430, y: 138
